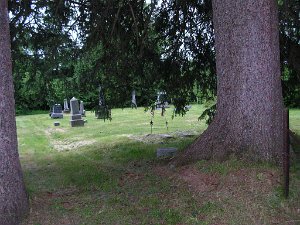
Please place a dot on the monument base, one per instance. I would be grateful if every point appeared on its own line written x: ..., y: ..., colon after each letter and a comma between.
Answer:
x: 57, y: 115
x: 77, y: 123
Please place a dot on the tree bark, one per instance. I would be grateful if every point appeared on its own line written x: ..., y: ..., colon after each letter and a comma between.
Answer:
x: 13, y: 198
x: 249, y: 106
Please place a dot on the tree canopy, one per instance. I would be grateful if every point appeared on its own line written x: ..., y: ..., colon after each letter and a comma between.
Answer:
x: 66, y: 48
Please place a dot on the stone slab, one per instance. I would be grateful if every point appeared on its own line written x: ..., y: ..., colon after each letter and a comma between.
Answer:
x: 77, y: 123
x: 165, y: 152
x: 76, y: 117
x: 57, y: 115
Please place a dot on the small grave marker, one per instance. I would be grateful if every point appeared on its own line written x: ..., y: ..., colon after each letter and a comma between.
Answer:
x: 166, y: 152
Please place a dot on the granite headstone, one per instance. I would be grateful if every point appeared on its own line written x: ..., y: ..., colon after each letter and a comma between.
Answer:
x: 75, y: 119
x: 66, y: 106
x: 56, y: 112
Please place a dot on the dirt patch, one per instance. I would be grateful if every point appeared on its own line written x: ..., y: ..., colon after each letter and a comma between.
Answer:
x: 184, y: 134
x: 247, y: 180
x: 68, y: 145
x: 242, y: 196
x: 52, y: 130
x: 43, y: 208
x: 157, y: 138
x: 198, y: 181
x: 150, y: 138
x: 130, y: 177
x: 195, y: 180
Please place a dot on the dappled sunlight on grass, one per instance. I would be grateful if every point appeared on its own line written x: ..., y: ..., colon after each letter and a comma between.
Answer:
x: 108, y: 173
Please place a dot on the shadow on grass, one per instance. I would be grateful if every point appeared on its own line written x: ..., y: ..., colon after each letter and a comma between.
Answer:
x: 94, y: 166
x: 30, y: 112
x: 118, y: 180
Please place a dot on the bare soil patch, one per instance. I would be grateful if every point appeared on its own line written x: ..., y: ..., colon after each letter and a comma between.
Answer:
x: 67, y: 145
x: 157, y: 138
x: 241, y: 197
x: 51, y: 130
x: 43, y: 208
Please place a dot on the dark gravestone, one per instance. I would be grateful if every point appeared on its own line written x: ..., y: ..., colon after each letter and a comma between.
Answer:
x: 102, y: 111
x: 161, y: 101
x: 76, y: 120
x: 166, y: 152
x: 56, y: 112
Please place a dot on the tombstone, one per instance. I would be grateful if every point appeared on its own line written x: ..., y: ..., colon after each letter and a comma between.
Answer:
x: 133, y: 100
x: 187, y: 107
x: 56, y: 123
x: 101, y: 97
x: 81, y: 109
x: 102, y: 111
x: 161, y: 101
x: 66, y: 106
x: 76, y: 120
x: 165, y: 152
x: 56, y: 112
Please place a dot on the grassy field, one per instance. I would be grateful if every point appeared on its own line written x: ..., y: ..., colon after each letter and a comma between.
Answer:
x: 108, y: 173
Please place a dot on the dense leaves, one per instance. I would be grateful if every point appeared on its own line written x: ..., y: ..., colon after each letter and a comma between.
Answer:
x: 67, y: 48
x: 290, y: 50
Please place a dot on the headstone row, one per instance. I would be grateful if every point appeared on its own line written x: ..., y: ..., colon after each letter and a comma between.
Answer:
x: 76, y: 112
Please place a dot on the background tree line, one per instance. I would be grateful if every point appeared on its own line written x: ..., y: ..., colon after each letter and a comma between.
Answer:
x: 66, y: 48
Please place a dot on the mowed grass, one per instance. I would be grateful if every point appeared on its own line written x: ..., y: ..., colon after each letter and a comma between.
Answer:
x: 108, y: 173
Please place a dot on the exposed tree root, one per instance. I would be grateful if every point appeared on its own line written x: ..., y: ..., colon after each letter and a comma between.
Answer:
x: 214, y: 143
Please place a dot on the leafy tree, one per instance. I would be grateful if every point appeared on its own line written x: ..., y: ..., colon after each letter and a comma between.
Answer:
x: 146, y: 47
x: 290, y: 50
x: 43, y: 52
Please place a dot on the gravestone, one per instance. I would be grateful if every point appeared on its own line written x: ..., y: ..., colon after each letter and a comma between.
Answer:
x: 76, y: 119
x: 66, y: 106
x: 187, y: 107
x: 81, y: 109
x: 56, y: 112
x: 165, y: 152
x: 102, y: 111
x: 133, y: 100
x: 161, y: 101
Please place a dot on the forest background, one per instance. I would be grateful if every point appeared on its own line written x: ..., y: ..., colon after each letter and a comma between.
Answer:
x: 67, y: 48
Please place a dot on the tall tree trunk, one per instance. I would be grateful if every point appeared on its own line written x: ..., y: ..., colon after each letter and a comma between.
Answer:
x: 13, y: 198
x: 249, y: 106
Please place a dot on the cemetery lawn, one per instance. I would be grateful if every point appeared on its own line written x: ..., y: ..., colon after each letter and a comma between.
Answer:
x: 108, y: 173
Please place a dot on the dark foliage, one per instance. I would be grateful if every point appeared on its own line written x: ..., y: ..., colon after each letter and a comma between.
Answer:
x: 67, y: 48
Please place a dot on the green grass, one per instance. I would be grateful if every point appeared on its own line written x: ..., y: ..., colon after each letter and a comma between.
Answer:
x: 103, y: 173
